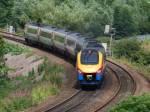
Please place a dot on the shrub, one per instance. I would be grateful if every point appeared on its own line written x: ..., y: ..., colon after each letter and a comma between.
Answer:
x: 128, y: 48
x: 132, y: 50
x: 144, y: 57
x: 134, y: 104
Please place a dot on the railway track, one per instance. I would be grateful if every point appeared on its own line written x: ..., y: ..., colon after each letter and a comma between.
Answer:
x: 82, y: 100
x: 127, y: 86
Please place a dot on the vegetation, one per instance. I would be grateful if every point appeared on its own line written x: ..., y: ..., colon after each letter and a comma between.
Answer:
x: 85, y: 16
x: 14, y: 49
x: 134, y: 53
x: 36, y: 87
x: 3, y: 68
x: 134, y: 104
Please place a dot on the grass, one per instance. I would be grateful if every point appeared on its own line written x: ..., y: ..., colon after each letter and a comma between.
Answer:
x: 146, y: 44
x: 15, y: 105
x: 144, y: 70
x: 14, y: 49
x: 38, y: 90
x: 133, y: 104
x: 41, y: 92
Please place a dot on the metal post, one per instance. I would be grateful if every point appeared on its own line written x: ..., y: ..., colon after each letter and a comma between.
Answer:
x: 111, y: 44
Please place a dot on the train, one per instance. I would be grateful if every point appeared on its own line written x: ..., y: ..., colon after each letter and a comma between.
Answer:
x: 90, y: 55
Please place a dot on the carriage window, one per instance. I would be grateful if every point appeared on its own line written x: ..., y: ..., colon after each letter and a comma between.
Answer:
x: 60, y: 39
x: 70, y: 43
x: 33, y: 31
x: 45, y: 34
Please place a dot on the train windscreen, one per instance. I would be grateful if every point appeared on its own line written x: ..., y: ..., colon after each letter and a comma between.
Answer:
x: 89, y: 57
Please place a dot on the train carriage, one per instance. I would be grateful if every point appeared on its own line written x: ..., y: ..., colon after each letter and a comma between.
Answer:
x: 31, y: 33
x: 89, y: 54
x: 90, y: 66
x: 46, y: 37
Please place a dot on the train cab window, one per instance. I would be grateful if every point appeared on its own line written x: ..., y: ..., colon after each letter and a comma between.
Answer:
x: 60, y: 39
x: 31, y: 30
x: 70, y: 43
x: 45, y: 34
x: 89, y: 57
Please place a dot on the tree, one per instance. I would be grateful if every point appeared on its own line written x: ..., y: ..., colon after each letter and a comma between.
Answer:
x: 5, y: 11
x: 123, y: 21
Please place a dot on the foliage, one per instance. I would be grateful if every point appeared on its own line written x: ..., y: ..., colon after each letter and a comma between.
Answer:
x: 127, y: 48
x: 51, y: 73
x: 36, y: 90
x: 144, y: 57
x: 103, y: 39
x: 41, y: 92
x: 85, y: 16
x: 135, y: 54
x: 132, y: 50
x: 15, y: 105
x: 3, y: 68
x: 123, y: 21
x: 5, y: 11
x: 134, y: 104
x: 14, y: 49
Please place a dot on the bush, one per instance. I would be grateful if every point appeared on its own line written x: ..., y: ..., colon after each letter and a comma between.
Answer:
x: 134, y: 104
x: 144, y: 57
x: 103, y: 39
x: 128, y: 48
x: 132, y: 50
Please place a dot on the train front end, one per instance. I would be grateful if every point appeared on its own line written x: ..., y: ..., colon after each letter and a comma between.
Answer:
x: 90, y: 67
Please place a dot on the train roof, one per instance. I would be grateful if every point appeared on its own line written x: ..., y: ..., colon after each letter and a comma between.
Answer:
x: 73, y: 35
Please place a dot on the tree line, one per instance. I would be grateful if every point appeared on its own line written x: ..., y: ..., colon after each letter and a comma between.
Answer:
x: 129, y: 17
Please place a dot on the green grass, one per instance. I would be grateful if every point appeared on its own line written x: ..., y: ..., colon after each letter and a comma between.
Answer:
x: 41, y: 92
x: 146, y: 44
x: 15, y: 49
x: 133, y: 104
x: 51, y: 73
x: 144, y: 70
x: 15, y: 105
x: 48, y: 85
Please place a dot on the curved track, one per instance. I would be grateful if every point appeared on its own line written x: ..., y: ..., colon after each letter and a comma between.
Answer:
x: 119, y: 83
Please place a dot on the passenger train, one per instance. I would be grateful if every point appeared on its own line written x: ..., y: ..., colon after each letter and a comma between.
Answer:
x: 89, y: 54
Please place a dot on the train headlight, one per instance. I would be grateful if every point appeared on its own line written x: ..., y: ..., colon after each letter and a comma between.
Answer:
x: 99, y: 71
x: 79, y: 71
